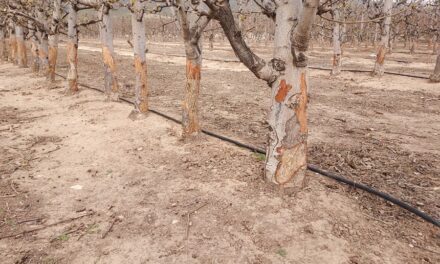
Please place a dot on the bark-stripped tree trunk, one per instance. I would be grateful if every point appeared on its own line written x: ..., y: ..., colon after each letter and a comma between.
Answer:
x: 286, y: 73
x: 72, y: 48
x: 376, y: 29
x: 111, y: 84
x: 337, y: 60
x: 140, y: 64
x: 385, y: 35
x: 3, y: 51
x: 12, y: 44
x: 43, y: 51
x: 192, y: 27
x: 53, y: 40
x: 35, y: 60
x: 21, y: 47
x: 435, y: 77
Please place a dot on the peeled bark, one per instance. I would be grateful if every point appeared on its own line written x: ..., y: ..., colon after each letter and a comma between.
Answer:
x: 190, y: 104
x: 336, y: 45
x: 384, y: 40
x: 35, y: 60
x: 286, y: 159
x: 43, y: 51
x: 140, y: 64
x: 21, y: 47
x: 3, y: 50
x: 111, y: 84
x: 72, y: 50
x: 53, y: 41
x: 435, y: 77
x: 192, y: 27
x: 286, y: 155
x: 12, y: 45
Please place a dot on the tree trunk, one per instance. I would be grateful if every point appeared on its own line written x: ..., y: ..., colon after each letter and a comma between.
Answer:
x: 12, y: 45
x: 21, y: 47
x: 336, y: 44
x: 376, y: 29
x: 286, y: 159
x: 111, y: 84
x: 435, y: 77
x: 35, y: 61
x: 192, y: 27
x: 72, y: 49
x: 3, y: 54
x: 140, y: 64
x: 385, y: 34
x: 53, y: 40
x: 43, y: 51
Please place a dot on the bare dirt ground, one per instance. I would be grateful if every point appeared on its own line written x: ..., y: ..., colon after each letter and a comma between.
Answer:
x: 100, y: 188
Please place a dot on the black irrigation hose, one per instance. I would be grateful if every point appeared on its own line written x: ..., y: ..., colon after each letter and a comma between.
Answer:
x: 368, y: 71
x: 310, y: 167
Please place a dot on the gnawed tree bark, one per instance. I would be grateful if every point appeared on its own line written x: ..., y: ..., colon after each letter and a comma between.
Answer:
x: 53, y: 40
x: 21, y: 47
x: 192, y: 27
x: 3, y: 49
x: 435, y: 77
x: 140, y: 64
x: 336, y: 36
x: 43, y: 53
x: 12, y: 44
x: 286, y: 73
x: 72, y: 48
x: 384, y: 39
x: 35, y: 60
x: 111, y: 84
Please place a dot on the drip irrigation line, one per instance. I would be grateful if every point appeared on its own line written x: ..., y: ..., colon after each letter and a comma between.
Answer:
x: 310, y: 167
x: 369, y: 71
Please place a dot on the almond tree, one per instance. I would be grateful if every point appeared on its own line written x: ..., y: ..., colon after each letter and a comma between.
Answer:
x: 53, y: 39
x: 12, y: 44
x: 35, y: 60
x: 137, y: 9
x: 72, y: 47
x: 3, y: 46
x: 111, y: 84
x: 336, y: 37
x: 384, y: 39
x: 435, y: 77
x: 286, y: 74
x: 21, y: 46
x: 193, y: 17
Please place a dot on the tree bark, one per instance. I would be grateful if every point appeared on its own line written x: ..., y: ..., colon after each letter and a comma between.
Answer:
x: 35, y: 60
x: 384, y: 40
x: 43, y: 51
x: 53, y: 40
x: 286, y: 159
x: 140, y: 64
x: 336, y: 69
x: 72, y: 49
x: 111, y: 85
x: 435, y: 77
x: 21, y: 47
x: 12, y: 45
x: 192, y: 27
x: 3, y: 51
x: 286, y: 73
